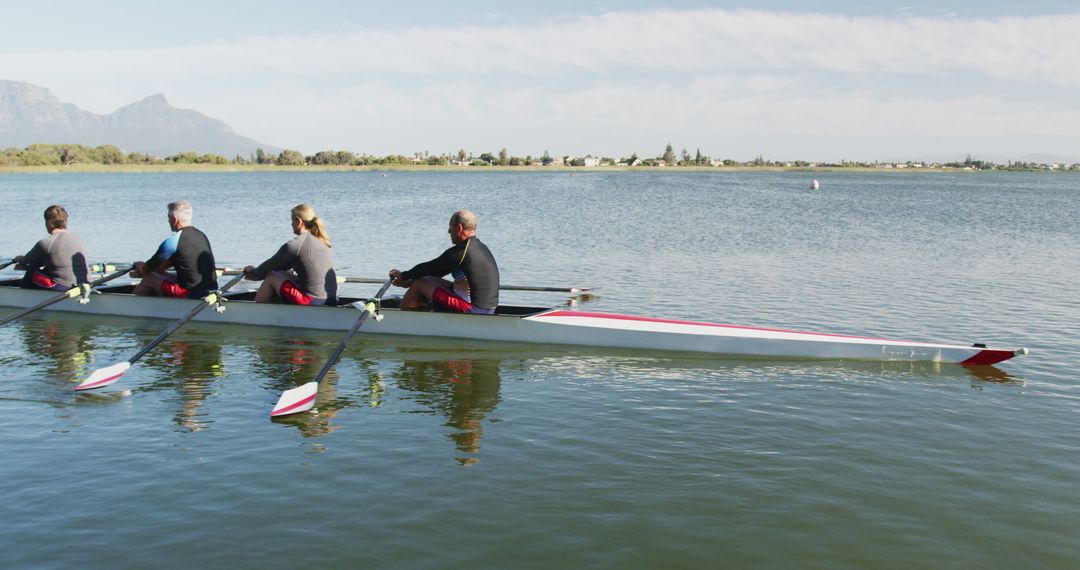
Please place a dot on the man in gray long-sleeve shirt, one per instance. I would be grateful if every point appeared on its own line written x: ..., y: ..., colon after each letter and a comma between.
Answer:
x: 57, y: 262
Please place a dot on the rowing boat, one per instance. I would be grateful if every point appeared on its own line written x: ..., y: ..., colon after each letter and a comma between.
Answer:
x: 543, y: 325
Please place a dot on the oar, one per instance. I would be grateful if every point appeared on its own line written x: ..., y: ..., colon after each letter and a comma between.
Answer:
x: 8, y: 264
x: 104, y: 376
x: 69, y: 294
x: 302, y: 398
x: 374, y: 280
x: 502, y: 287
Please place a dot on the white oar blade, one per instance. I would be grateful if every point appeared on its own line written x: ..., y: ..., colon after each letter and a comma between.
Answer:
x: 295, y: 401
x: 104, y: 376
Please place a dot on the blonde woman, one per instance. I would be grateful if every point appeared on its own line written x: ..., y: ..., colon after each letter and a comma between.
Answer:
x: 302, y: 270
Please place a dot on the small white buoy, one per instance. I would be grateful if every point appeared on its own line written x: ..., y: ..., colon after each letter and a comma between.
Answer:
x: 815, y: 185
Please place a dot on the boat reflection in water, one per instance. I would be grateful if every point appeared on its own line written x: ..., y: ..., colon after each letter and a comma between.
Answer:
x: 190, y: 365
x: 289, y: 361
x: 465, y: 390
x: 991, y: 374
x: 459, y: 380
x: 976, y: 374
x: 55, y: 353
x: 64, y: 349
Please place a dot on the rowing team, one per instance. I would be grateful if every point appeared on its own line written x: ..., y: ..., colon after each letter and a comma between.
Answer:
x: 300, y: 273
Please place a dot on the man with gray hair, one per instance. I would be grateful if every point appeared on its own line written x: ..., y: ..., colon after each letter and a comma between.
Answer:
x: 188, y: 252
x: 475, y: 288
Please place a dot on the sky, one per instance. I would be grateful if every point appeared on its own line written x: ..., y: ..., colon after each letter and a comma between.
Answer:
x: 786, y: 80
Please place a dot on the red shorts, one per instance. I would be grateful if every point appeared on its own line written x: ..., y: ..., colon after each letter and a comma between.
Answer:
x: 170, y: 288
x: 43, y: 281
x: 449, y: 300
x: 292, y: 294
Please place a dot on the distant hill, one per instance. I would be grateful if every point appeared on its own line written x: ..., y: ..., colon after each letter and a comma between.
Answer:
x: 31, y: 114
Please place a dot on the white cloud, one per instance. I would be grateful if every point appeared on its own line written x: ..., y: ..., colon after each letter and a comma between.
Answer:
x: 706, y: 40
x: 631, y: 77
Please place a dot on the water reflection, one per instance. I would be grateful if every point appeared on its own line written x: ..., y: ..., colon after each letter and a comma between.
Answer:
x: 603, y: 363
x: 41, y: 357
x: 464, y: 390
x: 433, y: 373
x: 992, y: 374
x: 63, y: 348
x: 976, y: 374
x: 290, y: 361
x: 190, y: 367
x: 57, y: 352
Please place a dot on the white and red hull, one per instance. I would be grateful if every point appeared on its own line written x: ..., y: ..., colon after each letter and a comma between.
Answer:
x: 539, y: 325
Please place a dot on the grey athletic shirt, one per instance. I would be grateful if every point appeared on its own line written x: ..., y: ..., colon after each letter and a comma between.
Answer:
x: 61, y: 256
x: 310, y: 258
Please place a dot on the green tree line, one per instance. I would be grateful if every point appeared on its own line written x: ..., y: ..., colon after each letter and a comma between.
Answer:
x: 71, y: 154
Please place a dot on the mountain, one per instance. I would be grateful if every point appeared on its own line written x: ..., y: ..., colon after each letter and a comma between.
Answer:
x: 31, y: 114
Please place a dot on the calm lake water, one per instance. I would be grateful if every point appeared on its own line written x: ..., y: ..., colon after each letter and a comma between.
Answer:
x: 431, y: 453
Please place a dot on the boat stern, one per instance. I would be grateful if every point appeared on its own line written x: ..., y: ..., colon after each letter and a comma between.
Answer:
x: 988, y: 356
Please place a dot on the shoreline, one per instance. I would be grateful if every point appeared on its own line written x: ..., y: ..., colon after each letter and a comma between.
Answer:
x: 218, y: 168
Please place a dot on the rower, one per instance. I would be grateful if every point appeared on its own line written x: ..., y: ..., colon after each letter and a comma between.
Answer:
x: 302, y: 270
x: 475, y: 288
x: 187, y: 251
x: 57, y: 262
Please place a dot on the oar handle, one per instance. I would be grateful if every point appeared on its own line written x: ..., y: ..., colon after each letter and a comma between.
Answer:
x: 382, y: 291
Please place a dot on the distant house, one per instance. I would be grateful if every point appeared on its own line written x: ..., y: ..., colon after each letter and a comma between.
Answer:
x: 590, y: 160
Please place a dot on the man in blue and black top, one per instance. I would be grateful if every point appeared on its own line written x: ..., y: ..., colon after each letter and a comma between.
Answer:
x: 475, y: 288
x: 188, y: 252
